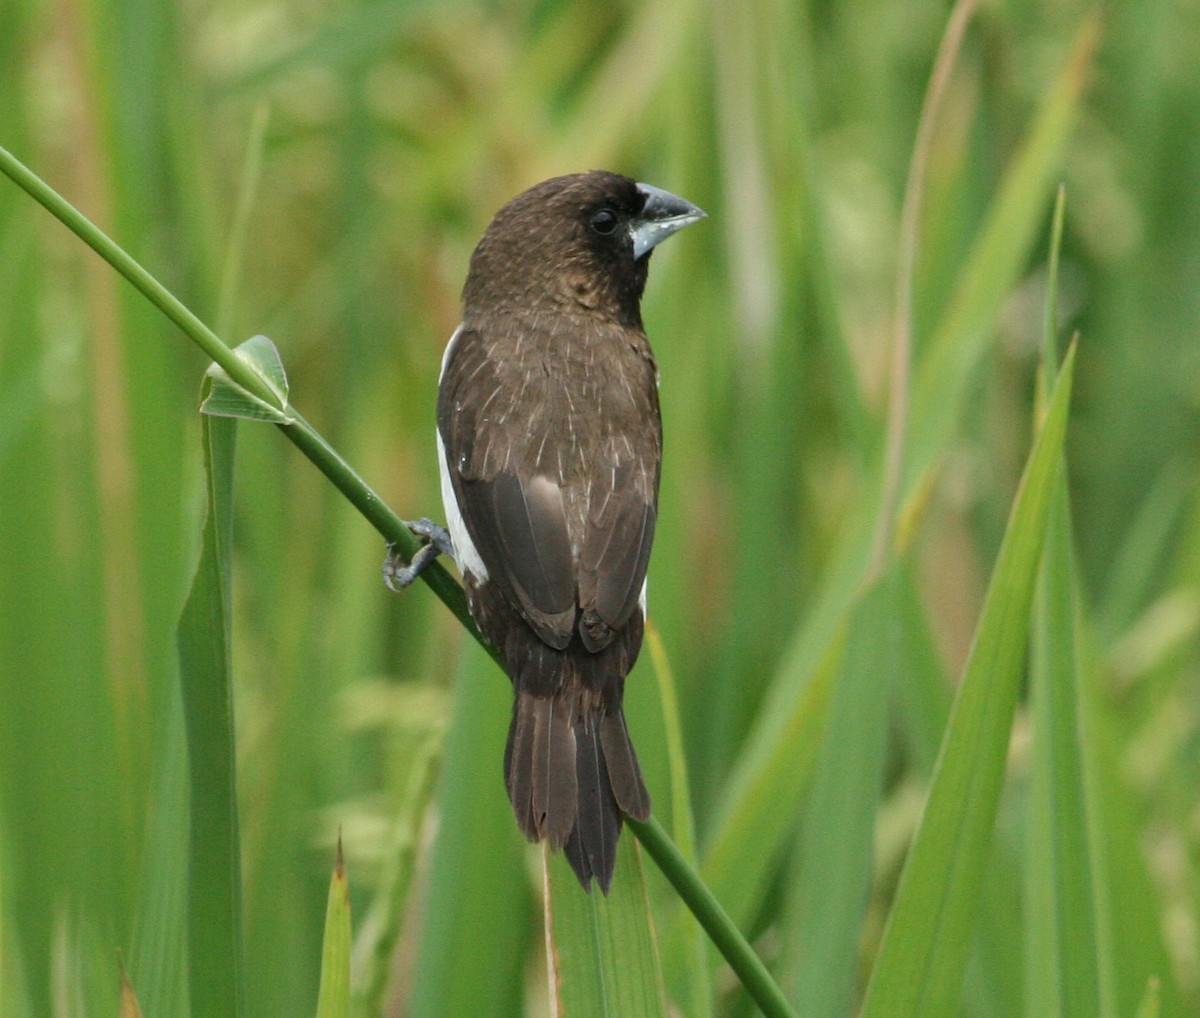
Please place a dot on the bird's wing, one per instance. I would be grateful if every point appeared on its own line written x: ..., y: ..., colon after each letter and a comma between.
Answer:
x: 515, y: 519
x: 565, y: 535
x: 616, y: 548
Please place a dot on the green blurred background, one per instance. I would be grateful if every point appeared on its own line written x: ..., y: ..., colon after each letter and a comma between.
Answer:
x: 320, y: 173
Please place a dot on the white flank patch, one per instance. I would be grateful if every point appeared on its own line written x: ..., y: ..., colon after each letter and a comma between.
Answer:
x: 446, y: 354
x: 642, y: 596
x: 465, y: 552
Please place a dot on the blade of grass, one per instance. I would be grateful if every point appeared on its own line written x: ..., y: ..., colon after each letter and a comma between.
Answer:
x: 602, y: 951
x: 1070, y: 957
x: 214, y: 930
x: 695, y: 954
x: 158, y: 951
x: 333, y: 1001
x: 900, y: 365
x: 387, y: 914
x: 476, y: 896
x: 923, y: 957
x: 1083, y: 988
x: 833, y: 877
x: 996, y: 261
x: 764, y: 793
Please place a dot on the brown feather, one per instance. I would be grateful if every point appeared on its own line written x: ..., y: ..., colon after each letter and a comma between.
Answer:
x: 624, y: 774
x: 598, y: 822
x: 554, y: 782
x: 518, y: 765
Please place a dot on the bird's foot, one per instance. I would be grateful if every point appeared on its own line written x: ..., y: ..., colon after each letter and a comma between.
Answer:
x: 397, y: 573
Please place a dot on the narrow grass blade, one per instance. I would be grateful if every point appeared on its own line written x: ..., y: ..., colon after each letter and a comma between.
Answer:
x: 997, y: 258
x: 923, y: 957
x: 602, y: 951
x: 1068, y: 865
x: 382, y: 928
x: 14, y: 999
x: 1066, y: 972
x: 477, y: 893
x: 157, y: 955
x: 693, y: 958
x: 1135, y: 943
x: 333, y: 1001
x: 764, y: 790
x: 833, y: 878
x: 214, y: 870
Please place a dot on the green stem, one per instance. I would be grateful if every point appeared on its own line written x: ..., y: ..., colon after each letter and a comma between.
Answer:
x: 366, y: 500
x: 304, y: 436
x: 708, y: 911
x: 119, y: 259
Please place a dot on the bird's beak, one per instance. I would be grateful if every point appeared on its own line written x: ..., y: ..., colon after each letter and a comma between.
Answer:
x: 663, y: 214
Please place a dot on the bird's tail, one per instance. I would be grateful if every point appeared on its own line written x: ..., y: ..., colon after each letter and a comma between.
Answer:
x: 571, y: 772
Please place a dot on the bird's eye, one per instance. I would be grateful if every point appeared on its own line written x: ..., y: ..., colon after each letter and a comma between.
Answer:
x: 604, y: 222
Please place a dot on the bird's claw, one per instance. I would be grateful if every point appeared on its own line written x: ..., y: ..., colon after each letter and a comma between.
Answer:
x: 397, y: 573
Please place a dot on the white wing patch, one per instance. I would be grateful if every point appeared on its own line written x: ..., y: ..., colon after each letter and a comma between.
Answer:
x: 465, y: 553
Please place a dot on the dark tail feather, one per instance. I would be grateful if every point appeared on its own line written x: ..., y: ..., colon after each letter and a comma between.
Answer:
x: 518, y: 767
x: 539, y: 768
x: 624, y: 774
x: 592, y: 847
x: 571, y: 773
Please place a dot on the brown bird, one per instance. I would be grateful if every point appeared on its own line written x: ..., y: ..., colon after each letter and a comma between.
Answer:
x: 550, y: 445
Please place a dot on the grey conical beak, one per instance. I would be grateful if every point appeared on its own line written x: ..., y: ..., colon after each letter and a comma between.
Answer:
x: 663, y: 214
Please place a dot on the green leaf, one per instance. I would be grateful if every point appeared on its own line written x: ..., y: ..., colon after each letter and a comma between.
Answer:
x: 997, y: 259
x: 157, y: 956
x: 1064, y: 858
x: 763, y: 793
x: 226, y: 398
x: 205, y: 672
x: 602, y: 949
x: 385, y: 920
x: 334, y: 999
x: 693, y: 949
x: 1063, y: 954
x: 477, y: 894
x: 833, y: 879
x: 923, y: 957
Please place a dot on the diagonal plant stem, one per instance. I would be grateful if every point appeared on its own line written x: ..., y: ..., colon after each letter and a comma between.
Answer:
x: 724, y: 933
x: 708, y: 912
x: 302, y: 434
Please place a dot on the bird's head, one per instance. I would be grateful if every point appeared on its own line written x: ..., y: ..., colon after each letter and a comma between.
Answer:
x: 574, y: 244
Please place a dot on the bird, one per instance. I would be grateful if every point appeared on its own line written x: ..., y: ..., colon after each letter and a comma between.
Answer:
x: 549, y: 441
